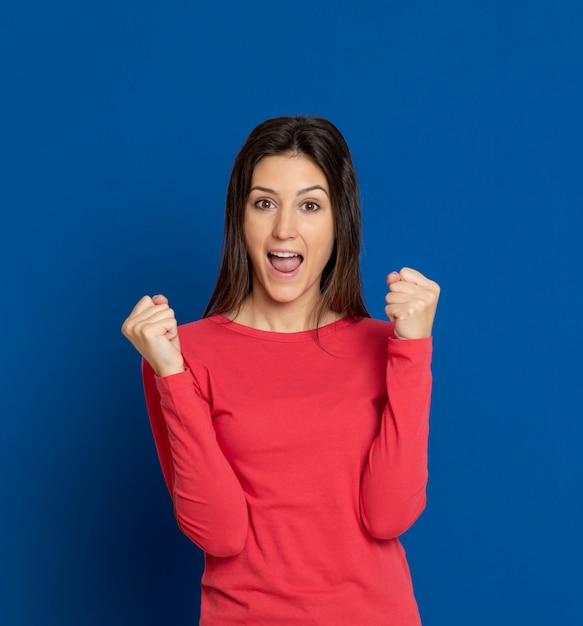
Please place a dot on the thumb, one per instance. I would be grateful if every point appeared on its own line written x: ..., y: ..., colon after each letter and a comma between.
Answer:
x: 393, y: 277
x: 159, y: 299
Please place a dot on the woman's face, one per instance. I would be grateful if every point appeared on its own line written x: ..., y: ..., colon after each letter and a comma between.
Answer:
x: 289, y: 230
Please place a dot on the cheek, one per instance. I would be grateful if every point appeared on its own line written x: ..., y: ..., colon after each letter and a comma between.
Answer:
x: 253, y: 241
x: 248, y: 232
x: 331, y: 243
x: 330, y: 239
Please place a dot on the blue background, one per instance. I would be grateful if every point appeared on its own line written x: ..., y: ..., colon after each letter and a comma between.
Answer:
x: 119, y: 123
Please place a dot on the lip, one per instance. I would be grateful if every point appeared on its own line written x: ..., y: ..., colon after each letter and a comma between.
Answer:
x: 278, y: 251
x: 284, y: 275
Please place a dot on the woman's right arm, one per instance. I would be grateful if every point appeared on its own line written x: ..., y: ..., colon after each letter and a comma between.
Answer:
x: 209, y: 503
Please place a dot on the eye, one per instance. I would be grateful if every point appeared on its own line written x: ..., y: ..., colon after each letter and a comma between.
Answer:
x: 264, y: 204
x: 310, y: 207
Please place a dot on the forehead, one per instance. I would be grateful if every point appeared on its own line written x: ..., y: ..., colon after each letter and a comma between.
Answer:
x: 288, y: 170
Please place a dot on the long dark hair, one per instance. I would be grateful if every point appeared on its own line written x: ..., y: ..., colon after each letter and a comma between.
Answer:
x: 321, y: 142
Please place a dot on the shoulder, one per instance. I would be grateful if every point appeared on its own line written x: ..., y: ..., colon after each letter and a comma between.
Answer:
x: 204, y: 325
x: 203, y: 331
x: 356, y: 338
x: 367, y: 328
x: 208, y: 339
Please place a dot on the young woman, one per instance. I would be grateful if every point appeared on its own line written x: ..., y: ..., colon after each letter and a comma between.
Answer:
x: 291, y: 427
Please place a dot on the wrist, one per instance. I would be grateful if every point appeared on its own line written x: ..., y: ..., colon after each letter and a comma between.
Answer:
x: 163, y: 372
x: 169, y: 369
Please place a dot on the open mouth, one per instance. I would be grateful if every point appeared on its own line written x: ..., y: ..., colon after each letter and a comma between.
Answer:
x: 285, y: 262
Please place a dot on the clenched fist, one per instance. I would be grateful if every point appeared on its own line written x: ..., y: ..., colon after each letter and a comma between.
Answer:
x: 411, y: 303
x: 152, y: 329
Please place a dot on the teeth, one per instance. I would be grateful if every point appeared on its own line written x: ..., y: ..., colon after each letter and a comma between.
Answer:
x: 284, y: 255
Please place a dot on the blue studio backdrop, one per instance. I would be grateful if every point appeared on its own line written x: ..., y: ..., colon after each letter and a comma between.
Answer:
x: 119, y: 122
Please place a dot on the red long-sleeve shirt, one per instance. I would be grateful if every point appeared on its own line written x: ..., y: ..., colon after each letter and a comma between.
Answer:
x: 295, y: 464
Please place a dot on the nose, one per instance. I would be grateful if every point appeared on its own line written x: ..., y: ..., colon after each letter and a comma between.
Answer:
x: 284, y: 224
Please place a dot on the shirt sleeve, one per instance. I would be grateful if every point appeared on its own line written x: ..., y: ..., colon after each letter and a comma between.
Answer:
x: 209, y: 503
x: 393, y: 488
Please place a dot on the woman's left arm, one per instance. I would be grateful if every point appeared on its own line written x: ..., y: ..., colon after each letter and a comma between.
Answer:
x: 395, y: 477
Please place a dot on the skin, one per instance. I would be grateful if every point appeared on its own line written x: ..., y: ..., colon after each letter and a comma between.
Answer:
x: 411, y: 303
x: 152, y: 329
x: 288, y: 210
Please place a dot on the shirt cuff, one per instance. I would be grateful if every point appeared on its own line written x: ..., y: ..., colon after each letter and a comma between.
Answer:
x: 174, y: 382
x: 408, y: 347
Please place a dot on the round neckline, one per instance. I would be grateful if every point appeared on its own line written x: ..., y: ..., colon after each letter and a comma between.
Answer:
x: 271, y: 335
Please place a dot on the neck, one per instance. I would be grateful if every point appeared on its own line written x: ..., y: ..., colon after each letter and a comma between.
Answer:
x: 281, y: 317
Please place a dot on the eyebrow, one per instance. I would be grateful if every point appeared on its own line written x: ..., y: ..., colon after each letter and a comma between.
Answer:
x: 299, y: 193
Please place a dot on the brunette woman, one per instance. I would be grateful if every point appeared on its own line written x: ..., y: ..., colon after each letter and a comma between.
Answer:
x: 291, y: 427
